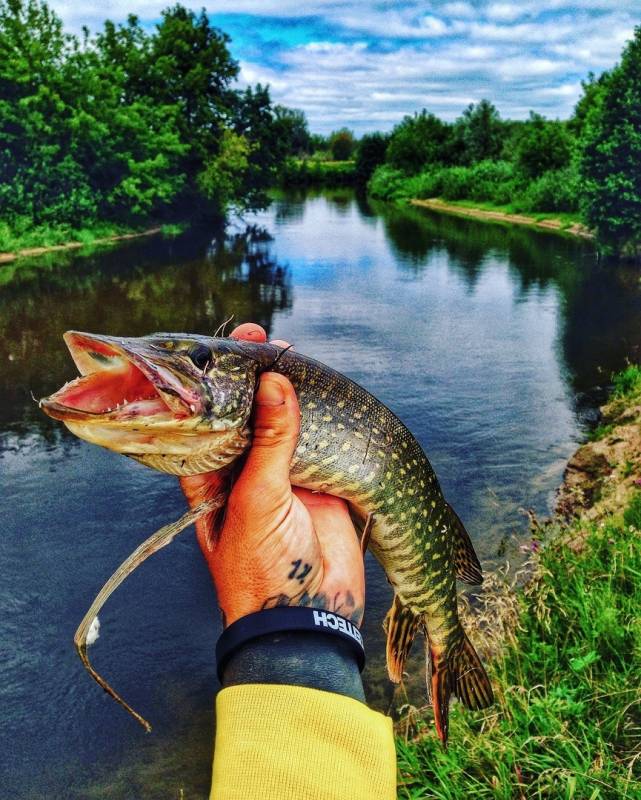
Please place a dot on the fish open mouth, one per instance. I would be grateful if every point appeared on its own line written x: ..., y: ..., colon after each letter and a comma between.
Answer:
x: 117, y: 385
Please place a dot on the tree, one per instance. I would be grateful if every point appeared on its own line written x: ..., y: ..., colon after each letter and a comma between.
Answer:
x: 542, y: 145
x: 417, y: 142
x: 370, y: 152
x: 223, y: 177
x: 593, y: 89
x: 611, y: 155
x: 341, y: 144
x: 481, y: 131
x: 255, y: 119
x: 293, y: 130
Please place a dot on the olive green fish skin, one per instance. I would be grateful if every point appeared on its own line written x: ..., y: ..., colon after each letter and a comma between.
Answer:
x: 353, y: 446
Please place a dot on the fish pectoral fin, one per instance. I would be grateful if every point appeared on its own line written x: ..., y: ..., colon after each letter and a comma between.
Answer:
x: 458, y: 672
x: 468, y: 566
x: 401, y: 625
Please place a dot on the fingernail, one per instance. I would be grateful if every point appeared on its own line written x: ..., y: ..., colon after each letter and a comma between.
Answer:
x: 270, y: 393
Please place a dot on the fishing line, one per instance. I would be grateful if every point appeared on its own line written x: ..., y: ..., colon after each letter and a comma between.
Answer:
x: 161, y: 538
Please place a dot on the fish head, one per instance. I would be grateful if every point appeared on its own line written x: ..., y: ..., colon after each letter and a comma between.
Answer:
x: 178, y: 402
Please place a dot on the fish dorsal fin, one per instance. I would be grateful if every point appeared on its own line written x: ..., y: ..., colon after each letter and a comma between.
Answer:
x: 468, y: 566
x: 400, y: 625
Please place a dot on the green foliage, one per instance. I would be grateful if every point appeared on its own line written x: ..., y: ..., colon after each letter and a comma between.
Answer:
x: 611, y: 155
x: 541, y: 145
x: 627, y: 383
x: 313, y: 172
x: 568, y: 704
x: 223, y: 176
x: 342, y: 144
x: 493, y: 181
x: 418, y: 142
x: 481, y: 131
x: 293, y: 130
x: 388, y: 183
x: 632, y: 515
x: 601, y: 432
x: 593, y: 89
x: 129, y: 124
x: 555, y: 190
x: 370, y: 153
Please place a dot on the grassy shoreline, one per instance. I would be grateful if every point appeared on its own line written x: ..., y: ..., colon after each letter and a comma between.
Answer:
x: 568, y: 224
x: 47, y: 240
x: 566, y: 648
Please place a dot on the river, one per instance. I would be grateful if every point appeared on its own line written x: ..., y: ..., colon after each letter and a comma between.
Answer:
x: 494, y: 344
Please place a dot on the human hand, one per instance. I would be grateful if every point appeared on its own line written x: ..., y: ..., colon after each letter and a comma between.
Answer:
x: 278, y: 545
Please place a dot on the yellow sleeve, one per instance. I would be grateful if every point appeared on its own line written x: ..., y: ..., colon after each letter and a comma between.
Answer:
x: 292, y: 743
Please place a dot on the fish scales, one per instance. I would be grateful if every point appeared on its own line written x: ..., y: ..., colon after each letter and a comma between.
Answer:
x: 189, y: 412
x: 378, y: 466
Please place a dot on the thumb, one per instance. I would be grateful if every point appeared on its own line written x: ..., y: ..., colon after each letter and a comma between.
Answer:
x: 276, y: 429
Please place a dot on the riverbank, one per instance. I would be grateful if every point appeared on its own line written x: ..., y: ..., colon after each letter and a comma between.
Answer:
x: 564, y: 649
x: 85, y: 238
x: 566, y: 224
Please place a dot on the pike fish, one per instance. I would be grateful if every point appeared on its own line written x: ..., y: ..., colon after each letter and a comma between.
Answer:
x: 182, y: 403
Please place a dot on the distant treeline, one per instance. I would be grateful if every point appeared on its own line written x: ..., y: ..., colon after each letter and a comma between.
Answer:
x: 589, y: 165
x: 128, y: 125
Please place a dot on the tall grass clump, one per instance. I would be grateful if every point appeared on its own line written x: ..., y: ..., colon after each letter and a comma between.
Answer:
x: 628, y: 382
x: 566, y: 724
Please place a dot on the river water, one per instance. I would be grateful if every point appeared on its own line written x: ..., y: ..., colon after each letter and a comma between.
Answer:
x: 493, y: 344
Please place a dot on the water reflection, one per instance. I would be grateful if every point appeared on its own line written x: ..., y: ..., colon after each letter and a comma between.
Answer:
x: 488, y: 341
x: 133, y: 290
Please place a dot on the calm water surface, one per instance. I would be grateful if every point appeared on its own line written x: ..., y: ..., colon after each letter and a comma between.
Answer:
x: 492, y: 344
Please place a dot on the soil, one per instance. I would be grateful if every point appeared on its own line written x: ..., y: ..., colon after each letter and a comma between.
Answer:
x: 557, y: 225
x: 602, y: 474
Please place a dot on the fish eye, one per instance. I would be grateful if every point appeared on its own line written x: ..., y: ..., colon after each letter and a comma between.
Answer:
x: 200, y: 355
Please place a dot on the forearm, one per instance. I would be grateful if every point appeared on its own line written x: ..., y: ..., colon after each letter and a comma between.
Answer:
x: 292, y: 723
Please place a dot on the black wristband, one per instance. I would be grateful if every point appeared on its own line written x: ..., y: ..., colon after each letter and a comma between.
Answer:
x: 287, y: 618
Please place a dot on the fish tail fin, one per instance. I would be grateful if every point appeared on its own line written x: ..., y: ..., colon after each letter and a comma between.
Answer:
x: 466, y: 562
x: 401, y: 625
x: 457, y: 672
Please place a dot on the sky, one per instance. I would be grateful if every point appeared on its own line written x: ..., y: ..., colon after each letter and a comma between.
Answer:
x: 366, y: 64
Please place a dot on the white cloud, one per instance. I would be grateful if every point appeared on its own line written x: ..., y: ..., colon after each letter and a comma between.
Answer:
x: 372, y: 62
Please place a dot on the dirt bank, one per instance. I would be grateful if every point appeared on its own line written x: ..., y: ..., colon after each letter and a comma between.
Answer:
x: 602, y: 475
x: 551, y: 224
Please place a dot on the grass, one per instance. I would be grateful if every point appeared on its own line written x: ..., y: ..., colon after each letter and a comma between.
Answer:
x: 601, y: 432
x: 566, y: 218
x: 21, y: 234
x: 171, y: 230
x: 627, y: 384
x: 487, y: 185
x: 315, y: 172
x: 566, y: 661
x: 567, y: 719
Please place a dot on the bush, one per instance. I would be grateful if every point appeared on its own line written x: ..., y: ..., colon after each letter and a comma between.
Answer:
x: 387, y: 183
x: 557, y: 190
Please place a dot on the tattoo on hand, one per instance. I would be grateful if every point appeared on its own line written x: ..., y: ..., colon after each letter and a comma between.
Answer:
x: 300, y: 577
x: 342, y: 603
